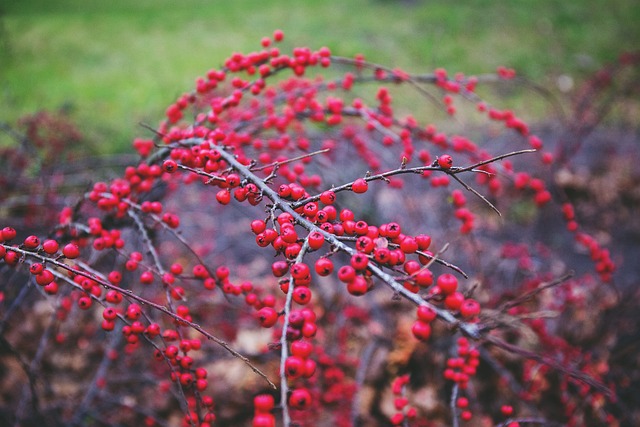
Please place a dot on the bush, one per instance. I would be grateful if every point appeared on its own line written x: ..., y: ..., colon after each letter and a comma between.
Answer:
x: 290, y: 242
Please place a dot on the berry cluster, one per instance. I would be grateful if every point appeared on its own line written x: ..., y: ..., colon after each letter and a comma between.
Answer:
x: 268, y: 147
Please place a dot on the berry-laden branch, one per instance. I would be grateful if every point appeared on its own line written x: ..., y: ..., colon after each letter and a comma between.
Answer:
x: 322, y: 177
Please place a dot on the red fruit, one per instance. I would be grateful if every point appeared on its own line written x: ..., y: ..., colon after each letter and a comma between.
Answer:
x: 409, y: 245
x: 278, y: 35
x: 359, y: 261
x: 293, y: 367
x: 169, y: 166
x: 328, y: 197
x: 423, y: 241
x: 267, y: 317
x: 316, y: 240
x: 263, y: 420
x: 44, y: 278
x: 324, y: 266
x: 397, y: 419
x: 309, y: 329
x: 11, y: 258
x: 421, y: 330
x: 447, y: 283
x: 360, y: 186
x: 346, y: 273
x: 506, y: 410
x: 302, y: 295
x: 109, y: 313
x: 300, y: 270
x: 85, y: 302
x: 71, y: 251
x: 146, y: 278
x: 8, y: 233
x: 134, y: 311
x: 469, y: 308
x: 426, y: 314
x: 424, y: 278
x: 301, y: 348
x: 223, y: 197
x: 358, y: 286
x: 454, y: 301
x: 445, y: 161
x: 108, y: 325
x: 310, y: 367
x: 300, y: 398
x: 36, y: 268
x: 115, y: 277
x: 113, y: 296
x: 279, y: 268
x: 258, y: 226
x: 50, y: 246
x: 263, y: 402
x: 31, y: 242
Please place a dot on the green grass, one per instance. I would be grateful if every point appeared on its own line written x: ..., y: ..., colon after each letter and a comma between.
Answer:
x: 120, y: 62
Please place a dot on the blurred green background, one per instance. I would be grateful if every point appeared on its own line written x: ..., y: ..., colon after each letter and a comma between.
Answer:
x: 116, y: 63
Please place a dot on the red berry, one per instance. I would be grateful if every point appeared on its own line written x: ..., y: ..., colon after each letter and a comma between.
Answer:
x: 258, y: 226
x: 31, y: 242
x: 328, y: 197
x: 469, y: 308
x: 223, y: 197
x: 71, y: 251
x: 50, y: 246
x: 293, y: 367
x: 454, y: 301
x: 278, y: 35
x: 316, y: 240
x: 358, y: 286
x: 267, y: 317
x: 36, y: 268
x: 409, y: 245
x: 279, y: 268
x: 359, y: 261
x: 346, y: 273
x: 360, y: 186
x: 146, y: 278
x: 447, y: 283
x: 113, y: 296
x: 301, y: 348
x: 263, y: 402
x: 109, y: 313
x: 423, y: 241
x: 506, y: 410
x: 426, y: 314
x: 424, y: 278
x: 169, y: 166
x: 44, y: 278
x: 263, y: 420
x: 85, y: 302
x: 8, y: 233
x: 445, y: 161
x: 300, y: 398
x: 324, y: 266
x: 421, y: 330
x: 302, y: 295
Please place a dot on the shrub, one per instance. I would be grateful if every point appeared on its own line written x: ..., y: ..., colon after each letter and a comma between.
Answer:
x: 290, y: 241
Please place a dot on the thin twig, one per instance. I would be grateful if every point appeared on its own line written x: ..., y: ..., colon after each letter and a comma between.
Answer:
x: 549, y: 362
